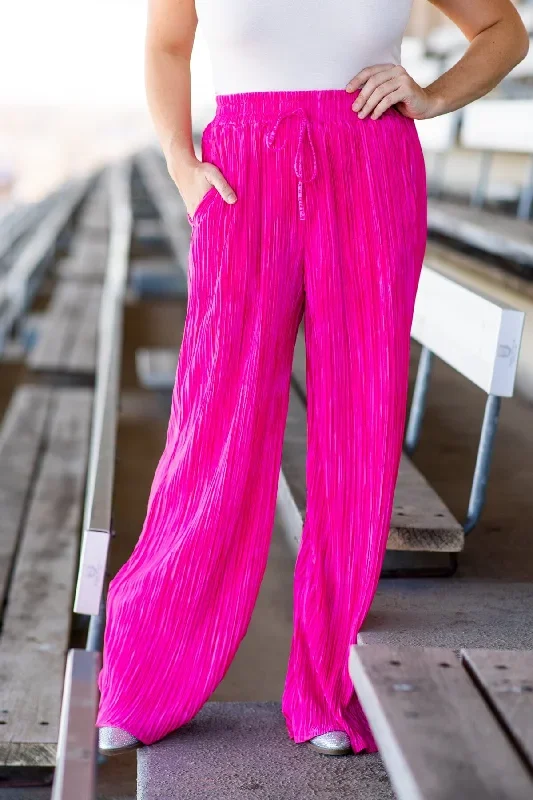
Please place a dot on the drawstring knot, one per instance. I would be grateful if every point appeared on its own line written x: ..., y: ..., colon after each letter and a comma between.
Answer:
x: 305, y: 130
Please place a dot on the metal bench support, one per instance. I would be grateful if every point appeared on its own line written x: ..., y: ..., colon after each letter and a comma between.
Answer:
x: 418, y: 403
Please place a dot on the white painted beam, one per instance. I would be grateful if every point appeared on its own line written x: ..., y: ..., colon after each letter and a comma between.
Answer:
x: 477, y: 335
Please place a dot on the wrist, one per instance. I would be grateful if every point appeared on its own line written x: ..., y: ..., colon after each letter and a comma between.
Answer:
x: 436, y: 102
x: 180, y: 161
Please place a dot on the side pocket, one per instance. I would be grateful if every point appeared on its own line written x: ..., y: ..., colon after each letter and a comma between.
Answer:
x: 202, y: 207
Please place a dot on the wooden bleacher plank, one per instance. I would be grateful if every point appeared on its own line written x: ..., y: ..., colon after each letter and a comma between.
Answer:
x: 36, y: 624
x: 87, y: 259
x: 460, y: 266
x: 68, y: 337
x: 21, y: 437
x: 56, y: 325
x: 420, y: 520
x: 503, y: 236
x: 437, y: 737
x: 93, y: 217
x: 83, y: 354
x: 507, y: 678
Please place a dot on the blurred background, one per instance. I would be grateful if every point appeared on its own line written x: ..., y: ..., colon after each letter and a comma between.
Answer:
x: 93, y: 301
x: 72, y: 94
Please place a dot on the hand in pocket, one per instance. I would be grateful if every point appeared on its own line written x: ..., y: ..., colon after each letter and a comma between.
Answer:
x: 195, y: 183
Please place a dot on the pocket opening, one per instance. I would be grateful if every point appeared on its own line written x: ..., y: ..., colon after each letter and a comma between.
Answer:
x: 202, y: 205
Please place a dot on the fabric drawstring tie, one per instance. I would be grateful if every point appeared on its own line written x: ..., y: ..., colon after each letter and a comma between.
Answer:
x: 305, y: 130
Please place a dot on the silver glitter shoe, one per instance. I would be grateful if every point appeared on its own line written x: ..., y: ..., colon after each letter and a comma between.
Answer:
x: 113, y: 741
x: 333, y: 743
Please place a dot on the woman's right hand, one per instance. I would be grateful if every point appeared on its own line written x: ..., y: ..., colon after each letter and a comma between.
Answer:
x: 195, y: 180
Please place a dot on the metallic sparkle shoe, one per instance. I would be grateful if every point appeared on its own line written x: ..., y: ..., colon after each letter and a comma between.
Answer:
x: 333, y: 743
x: 113, y: 741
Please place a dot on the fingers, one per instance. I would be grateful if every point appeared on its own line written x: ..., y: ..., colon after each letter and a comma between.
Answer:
x: 361, y: 78
x: 368, y: 104
x: 216, y: 178
x: 383, y: 86
x: 375, y: 89
x: 388, y: 101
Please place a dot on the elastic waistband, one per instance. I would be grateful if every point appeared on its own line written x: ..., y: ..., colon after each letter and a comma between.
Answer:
x: 318, y: 104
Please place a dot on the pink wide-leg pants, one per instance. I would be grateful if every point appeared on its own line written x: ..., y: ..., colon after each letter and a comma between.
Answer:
x: 330, y: 219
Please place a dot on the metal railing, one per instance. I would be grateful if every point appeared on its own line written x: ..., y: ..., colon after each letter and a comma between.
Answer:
x: 75, y: 777
x: 97, y: 524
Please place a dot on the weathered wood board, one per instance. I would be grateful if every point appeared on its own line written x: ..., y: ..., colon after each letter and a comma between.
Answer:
x: 87, y: 259
x: 437, y: 736
x: 68, y: 338
x: 486, y: 230
x: 36, y: 623
x: 21, y: 436
x: 94, y: 217
x: 506, y: 676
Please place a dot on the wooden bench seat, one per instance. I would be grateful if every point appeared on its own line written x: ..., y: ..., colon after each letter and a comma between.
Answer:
x: 486, y: 230
x: 86, y: 260
x: 44, y: 441
x: 93, y: 217
x: 68, y: 338
x: 449, y: 726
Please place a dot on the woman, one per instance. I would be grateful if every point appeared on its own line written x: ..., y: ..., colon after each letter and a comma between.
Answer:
x: 310, y: 197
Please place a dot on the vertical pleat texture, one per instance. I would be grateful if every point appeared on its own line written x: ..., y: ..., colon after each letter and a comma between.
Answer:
x: 363, y: 257
x: 180, y: 606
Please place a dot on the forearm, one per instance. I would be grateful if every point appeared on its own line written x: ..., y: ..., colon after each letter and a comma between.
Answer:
x: 491, y: 55
x: 168, y: 92
x: 168, y: 46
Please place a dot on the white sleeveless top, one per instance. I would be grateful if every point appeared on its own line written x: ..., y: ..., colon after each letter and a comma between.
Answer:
x: 281, y: 45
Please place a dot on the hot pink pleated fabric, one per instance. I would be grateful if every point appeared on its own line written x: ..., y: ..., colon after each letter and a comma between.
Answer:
x: 331, y: 220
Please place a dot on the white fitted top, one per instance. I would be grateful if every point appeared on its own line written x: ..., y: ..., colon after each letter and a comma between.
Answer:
x: 281, y: 45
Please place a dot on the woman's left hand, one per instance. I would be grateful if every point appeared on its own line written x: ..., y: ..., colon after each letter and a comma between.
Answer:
x: 386, y: 85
